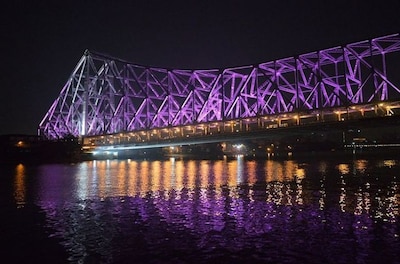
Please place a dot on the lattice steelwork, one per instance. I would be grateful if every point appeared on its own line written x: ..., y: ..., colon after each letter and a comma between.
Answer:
x: 105, y: 95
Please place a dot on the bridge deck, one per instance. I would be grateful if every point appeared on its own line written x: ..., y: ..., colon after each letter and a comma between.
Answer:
x: 272, y: 127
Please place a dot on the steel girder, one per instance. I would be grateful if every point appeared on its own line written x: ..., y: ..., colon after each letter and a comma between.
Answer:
x: 105, y: 95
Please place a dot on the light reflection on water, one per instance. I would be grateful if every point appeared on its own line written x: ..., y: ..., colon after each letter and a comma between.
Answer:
x: 200, y: 210
x: 112, y: 178
x: 19, y: 186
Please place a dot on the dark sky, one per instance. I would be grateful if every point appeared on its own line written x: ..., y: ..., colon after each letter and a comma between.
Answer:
x: 42, y: 41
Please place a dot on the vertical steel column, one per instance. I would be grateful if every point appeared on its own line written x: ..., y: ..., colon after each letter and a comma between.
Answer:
x: 346, y: 83
x: 85, y: 95
x: 222, y: 98
x: 296, y: 85
x: 125, y: 98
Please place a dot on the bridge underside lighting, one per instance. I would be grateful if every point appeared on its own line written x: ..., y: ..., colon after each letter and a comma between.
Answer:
x: 105, y: 153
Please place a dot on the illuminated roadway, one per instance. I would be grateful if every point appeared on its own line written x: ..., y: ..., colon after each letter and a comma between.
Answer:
x: 154, y: 138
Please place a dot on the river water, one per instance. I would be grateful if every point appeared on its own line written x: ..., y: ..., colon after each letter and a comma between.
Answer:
x: 203, y: 211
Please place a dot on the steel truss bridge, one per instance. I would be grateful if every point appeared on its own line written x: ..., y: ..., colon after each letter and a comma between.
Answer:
x: 107, y: 100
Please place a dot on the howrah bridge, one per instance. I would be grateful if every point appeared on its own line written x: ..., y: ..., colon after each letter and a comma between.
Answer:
x: 113, y: 104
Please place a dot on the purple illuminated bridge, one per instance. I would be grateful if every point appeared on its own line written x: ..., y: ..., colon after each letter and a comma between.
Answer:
x: 108, y: 96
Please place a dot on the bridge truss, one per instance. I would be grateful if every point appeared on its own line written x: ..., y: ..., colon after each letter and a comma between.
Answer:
x: 105, y: 95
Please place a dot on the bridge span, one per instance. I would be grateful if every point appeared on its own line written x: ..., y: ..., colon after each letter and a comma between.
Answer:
x: 263, y: 131
x: 115, y: 104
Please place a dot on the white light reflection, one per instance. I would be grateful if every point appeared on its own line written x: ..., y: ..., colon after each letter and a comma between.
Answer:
x: 342, y: 197
x: 83, y: 179
x: 239, y: 171
x: 299, y: 191
x: 359, y: 203
x: 322, y: 168
x: 392, y: 210
x: 396, y: 197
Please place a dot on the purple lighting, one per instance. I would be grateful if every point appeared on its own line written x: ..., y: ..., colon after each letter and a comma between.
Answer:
x: 106, y: 95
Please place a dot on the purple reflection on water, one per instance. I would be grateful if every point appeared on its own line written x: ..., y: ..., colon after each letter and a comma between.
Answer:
x: 199, y: 211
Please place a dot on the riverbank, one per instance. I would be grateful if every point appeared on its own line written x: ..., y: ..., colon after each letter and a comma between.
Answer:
x: 16, y: 149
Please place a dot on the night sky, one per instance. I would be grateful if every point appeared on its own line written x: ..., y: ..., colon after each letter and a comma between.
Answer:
x: 42, y: 41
